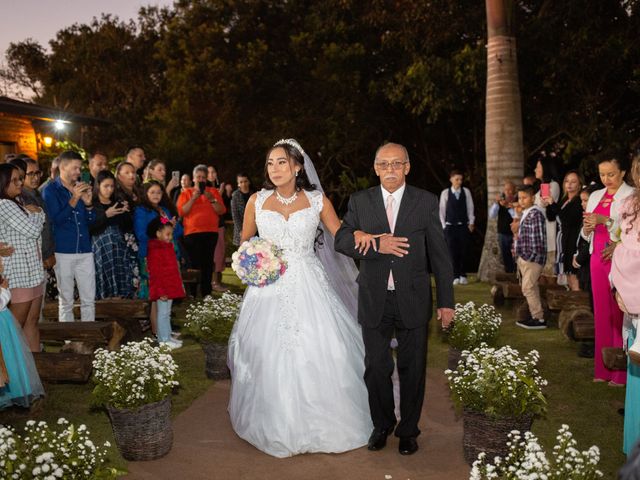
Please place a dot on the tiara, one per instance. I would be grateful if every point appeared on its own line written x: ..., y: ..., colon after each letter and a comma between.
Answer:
x: 291, y: 142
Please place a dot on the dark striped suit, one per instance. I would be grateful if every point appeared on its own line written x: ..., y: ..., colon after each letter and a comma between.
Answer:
x: 405, y: 311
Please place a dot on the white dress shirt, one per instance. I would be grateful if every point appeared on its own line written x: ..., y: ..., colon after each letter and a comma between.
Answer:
x: 444, y: 199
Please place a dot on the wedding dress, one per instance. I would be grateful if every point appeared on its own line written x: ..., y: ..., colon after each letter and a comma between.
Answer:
x: 296, y: 354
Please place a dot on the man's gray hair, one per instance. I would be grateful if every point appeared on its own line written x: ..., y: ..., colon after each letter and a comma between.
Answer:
x: 406, y: 153
x: 200, y: 168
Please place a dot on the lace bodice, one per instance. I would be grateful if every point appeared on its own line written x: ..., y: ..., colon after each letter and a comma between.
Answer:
x: 296, y: 235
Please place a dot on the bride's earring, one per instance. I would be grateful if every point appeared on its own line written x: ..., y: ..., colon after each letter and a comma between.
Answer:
x: 297, y: 172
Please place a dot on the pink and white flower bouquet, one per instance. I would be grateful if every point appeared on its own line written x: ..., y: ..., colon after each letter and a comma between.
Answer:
x: 258, y: 262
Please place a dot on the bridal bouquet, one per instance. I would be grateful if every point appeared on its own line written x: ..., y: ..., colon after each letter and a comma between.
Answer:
x: 258, y: 262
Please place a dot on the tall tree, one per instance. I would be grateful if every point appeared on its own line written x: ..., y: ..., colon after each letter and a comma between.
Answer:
x: 503, y: 134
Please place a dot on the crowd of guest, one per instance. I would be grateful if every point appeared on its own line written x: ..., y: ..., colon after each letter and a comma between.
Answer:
x: 92, y: 234
x: 588, y: 237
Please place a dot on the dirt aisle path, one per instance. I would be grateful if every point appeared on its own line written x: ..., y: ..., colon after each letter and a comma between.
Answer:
x: 205, y: 447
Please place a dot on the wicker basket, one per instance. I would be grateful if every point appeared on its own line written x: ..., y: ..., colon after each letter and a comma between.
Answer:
x: 454, y: 358
x: 143, y: 433
x: 486, y: 434
x: 215, y: 355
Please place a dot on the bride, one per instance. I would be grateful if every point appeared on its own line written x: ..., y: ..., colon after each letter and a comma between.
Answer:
x: 296, y: 353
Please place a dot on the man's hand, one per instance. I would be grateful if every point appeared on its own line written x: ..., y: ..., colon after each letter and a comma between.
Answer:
x: 4, y: 283
x: 364, y: 241
x: 472, y: 227
x: 80, y: 189
x: 391, y: 245
x: 445, y: 315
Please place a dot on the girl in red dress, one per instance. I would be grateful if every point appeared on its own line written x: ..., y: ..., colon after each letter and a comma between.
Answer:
x: 165, y: 282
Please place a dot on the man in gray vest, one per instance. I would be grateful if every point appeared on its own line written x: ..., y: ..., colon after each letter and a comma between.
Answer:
x: 457, y: 218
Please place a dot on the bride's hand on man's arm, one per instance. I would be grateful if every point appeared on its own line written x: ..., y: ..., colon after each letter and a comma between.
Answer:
x: 364, y: 241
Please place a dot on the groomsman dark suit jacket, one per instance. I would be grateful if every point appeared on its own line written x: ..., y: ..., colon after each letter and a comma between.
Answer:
x: 419, y: 221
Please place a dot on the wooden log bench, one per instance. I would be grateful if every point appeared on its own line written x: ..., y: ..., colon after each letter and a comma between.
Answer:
x: 577, y: 324
x: 63, y: 366
x: 567, y: 299
x: 117, y: 321
x: 191, y: 280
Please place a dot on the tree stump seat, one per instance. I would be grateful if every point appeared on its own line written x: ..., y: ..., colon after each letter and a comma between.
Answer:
x: 117, y: 321
x: 63, y: 366
x: 567, y: 299
x: 576, y: 323
x: 191, y: 280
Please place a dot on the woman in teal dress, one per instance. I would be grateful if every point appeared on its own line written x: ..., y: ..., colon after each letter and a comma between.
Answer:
x: 23, y: 385
x: 632, y: 400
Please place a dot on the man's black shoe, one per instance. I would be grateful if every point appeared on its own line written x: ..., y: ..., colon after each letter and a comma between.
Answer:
x: 378, y: 438
x: 408, y: 445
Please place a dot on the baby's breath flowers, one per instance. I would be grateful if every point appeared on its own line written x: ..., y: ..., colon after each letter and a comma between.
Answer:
x: 212, y: 319
x: 527, y: 460
x: 136, y: 375
x: 498, y: 382
x: 474, y: 325
x: 49, y: 453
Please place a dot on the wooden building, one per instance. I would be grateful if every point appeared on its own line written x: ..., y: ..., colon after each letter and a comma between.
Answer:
x: 28, y: 127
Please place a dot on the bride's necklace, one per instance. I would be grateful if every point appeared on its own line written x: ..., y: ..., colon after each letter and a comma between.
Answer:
x: 285, y: 200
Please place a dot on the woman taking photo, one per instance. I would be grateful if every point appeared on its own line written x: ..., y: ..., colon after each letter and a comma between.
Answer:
x: 126, y: 189
x: 200, y: 208
x: 568, y: 214
x: 21, y: 227
x: 157, y: 170
x: 547, y: 174
x: 601, y: 218
x: 116, y: 264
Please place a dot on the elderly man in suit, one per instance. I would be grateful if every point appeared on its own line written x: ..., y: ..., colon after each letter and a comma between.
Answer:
x: 401, y: 225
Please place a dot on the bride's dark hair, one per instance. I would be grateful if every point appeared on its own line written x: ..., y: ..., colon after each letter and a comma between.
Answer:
x: 292, y: 153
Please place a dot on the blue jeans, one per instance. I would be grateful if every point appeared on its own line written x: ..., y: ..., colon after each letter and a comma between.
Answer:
x: 164, y: 320
x: 506, y: 241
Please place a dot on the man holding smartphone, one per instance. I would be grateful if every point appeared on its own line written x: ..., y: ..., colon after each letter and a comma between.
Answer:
x: 71, y: 212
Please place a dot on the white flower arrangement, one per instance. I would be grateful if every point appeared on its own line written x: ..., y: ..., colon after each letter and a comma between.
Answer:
x: 498, y: 382
x: 473, y: 326
x: 137, y: 374
x: 212, y: 319
x: 46, y: 453
x: 527, y: 460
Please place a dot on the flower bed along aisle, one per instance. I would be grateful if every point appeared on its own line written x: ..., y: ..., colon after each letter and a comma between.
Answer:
x: 498, y: 391
x: 471, y: 327
x: 135, y: 384
x: 211, y: 322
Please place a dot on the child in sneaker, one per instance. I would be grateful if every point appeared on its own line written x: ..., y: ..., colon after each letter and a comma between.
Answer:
x: 531, y: 253
x: 165, y: 282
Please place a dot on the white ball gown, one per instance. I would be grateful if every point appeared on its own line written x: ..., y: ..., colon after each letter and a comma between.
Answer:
x: 296, y: 354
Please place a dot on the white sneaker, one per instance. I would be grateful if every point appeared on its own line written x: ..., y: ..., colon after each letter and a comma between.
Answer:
x: 172, y: 344
x: 456, y: 281
x: 175, y: 335
x: 463, y: 281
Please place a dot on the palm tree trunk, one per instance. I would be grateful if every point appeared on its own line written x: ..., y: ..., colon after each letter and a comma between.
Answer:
x: 503, y: 133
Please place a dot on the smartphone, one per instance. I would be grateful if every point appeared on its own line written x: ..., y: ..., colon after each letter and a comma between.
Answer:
x: 119, y: 204
x: 175, y: 175
x: 202, y: 186
x: 85, y: 176
x: 545, y: 190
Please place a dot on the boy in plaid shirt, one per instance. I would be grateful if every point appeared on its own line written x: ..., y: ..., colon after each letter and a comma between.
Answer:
x: 531, y: 253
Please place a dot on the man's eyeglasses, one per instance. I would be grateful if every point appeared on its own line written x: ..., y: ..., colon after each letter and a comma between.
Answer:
x: 34, y: 174
x: 396, y: 165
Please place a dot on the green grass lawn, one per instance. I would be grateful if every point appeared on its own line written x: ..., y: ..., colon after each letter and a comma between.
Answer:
x: 590, y: 409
